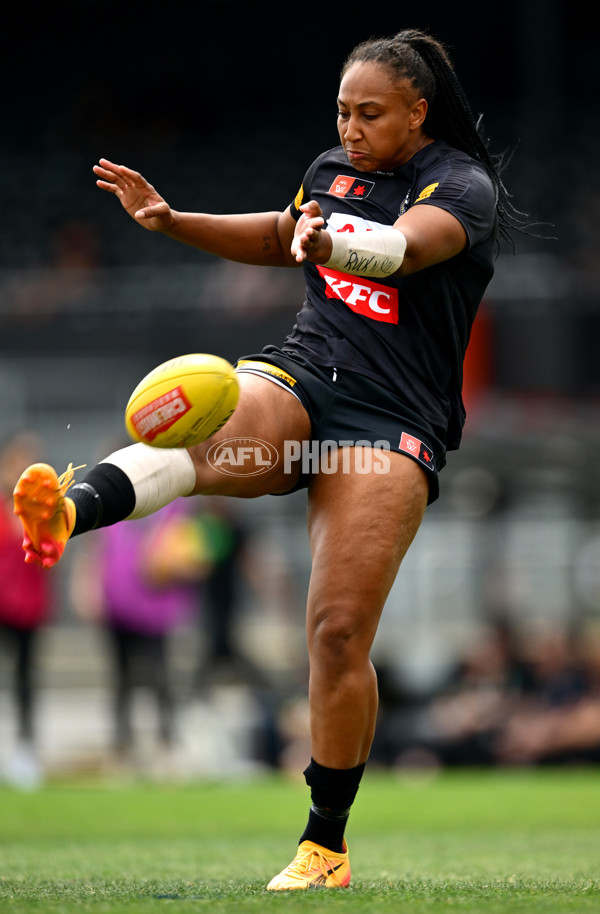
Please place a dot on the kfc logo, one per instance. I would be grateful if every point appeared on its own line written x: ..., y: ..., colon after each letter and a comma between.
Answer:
x: 364, y: 296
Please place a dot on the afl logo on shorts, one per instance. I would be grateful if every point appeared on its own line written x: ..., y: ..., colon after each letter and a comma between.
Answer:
x: 415, y: 447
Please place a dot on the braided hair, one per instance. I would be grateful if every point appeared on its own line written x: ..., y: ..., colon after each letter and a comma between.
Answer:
x: 423, y: 61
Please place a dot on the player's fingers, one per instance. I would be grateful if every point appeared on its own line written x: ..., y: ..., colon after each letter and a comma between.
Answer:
x: 314, y: 225
x: 106, y: 185
x: 303, y: 237
x: 120, y: 183
x: 311, y: 208
x: 121, y: 173
x: 110, y: 169
x: 309, y: 227
x: 104, y: 173
x: 297, y: 250
x: 132, y: 177
x: 309, y: 235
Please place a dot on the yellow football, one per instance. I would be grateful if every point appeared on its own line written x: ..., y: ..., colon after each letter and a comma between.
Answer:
x: 183, y: 401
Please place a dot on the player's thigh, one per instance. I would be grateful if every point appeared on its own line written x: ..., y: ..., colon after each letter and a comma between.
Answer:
x: 246, y: 457
x: 361, y: 526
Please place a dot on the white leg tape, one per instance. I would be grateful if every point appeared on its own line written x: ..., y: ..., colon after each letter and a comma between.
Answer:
x: 158, y: 475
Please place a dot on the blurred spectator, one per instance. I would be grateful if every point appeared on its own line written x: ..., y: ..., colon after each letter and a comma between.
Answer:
x: 224, y: 538
x: 531, y: 701
x: 487, y: 686
x: 243, y: 291
x: 185, y: 565
x: 235, y: 564
x: 558, y: 720
x: 141, y: 581
x: 25, y: 605
x: 62, y: 284
x: 458, y: 724
x: 555, y: 676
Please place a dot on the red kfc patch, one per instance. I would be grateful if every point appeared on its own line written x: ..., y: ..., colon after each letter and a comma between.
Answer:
x: 371, y: 299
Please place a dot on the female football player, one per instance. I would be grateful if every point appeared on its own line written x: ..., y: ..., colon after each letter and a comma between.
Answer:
x: 396, y: 229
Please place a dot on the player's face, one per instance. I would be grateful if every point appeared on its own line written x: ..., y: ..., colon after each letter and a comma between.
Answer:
x: 380, y: 118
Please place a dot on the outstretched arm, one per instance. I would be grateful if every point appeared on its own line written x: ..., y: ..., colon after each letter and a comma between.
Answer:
x: 263, y: 239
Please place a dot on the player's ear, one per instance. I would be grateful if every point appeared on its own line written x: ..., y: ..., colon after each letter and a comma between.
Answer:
x: 418, y: 114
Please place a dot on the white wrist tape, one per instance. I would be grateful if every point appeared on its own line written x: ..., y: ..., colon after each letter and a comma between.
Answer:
x: 377, y: 253
x: 158, y: 475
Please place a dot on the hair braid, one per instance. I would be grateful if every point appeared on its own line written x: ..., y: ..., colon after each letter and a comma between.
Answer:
x: 424, y: 61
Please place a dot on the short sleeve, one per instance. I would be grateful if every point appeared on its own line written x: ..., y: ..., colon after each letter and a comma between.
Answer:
x: 465, y: 190
x: 304, y: 193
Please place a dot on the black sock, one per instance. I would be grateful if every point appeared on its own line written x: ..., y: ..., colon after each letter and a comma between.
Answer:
x: 103, y: 497
x: 326, y: 827
x: 332, y: 792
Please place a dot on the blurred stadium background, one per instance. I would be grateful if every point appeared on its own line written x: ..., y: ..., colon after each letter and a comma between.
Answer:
x: 222, y: 106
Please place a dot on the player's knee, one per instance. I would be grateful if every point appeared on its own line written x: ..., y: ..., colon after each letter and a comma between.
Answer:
x: 339, y: 637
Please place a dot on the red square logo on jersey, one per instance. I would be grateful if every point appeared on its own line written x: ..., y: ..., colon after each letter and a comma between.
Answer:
x: 344, y: 186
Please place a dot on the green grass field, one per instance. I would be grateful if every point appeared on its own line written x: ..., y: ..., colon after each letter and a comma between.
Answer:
x: 490, y: 842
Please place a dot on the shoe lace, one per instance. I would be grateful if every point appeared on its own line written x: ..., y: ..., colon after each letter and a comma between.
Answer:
x: 304, y: 864
x: 66, y: 479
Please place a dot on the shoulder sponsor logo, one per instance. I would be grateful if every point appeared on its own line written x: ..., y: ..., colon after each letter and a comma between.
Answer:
x: 427, y: 191
x: 371, y: 299
x: 345, y: 186
x: 416, y: 448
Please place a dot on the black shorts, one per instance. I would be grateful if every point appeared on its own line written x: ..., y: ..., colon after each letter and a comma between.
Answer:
x: 347, y: 408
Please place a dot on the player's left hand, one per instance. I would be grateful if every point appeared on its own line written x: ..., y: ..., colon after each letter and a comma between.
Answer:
x: 311, y: 241
x: 137, y: 196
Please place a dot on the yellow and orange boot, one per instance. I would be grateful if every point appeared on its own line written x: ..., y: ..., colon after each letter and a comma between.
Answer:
x: 47, y: 515
x: 314, y: 867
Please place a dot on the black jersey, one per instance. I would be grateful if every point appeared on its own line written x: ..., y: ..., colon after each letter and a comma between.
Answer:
x: 410, y: 333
